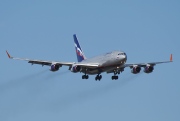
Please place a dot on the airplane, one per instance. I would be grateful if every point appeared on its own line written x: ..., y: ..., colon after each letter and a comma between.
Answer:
x: 111, y: 62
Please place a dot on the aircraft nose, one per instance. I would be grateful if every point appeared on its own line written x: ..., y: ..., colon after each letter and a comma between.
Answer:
x: 122, y: 56
x: 126, y: 57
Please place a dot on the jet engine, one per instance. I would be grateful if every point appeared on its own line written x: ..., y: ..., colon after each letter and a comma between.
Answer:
x: 148, y: 69
x: 75, y: 68
x: 55, y: 67
x: 136, y: 69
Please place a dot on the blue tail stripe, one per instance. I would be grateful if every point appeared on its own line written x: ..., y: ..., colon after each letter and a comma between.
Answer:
x: 79, y: 52
x: 76, y: 41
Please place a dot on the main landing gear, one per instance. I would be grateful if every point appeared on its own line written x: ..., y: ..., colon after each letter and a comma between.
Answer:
x: 98, y: 77
x: 85, y: 76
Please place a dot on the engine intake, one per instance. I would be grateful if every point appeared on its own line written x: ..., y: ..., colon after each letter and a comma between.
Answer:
x: 136, y: 69
x: 148, y: 69
x: 75, y: 68
x: 55, y: 67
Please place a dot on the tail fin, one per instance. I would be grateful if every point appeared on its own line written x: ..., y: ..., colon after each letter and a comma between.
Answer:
x: 79, y: 51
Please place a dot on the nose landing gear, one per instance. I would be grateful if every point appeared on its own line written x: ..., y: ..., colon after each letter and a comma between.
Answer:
x: 114, y: 77
x: 115, y: 73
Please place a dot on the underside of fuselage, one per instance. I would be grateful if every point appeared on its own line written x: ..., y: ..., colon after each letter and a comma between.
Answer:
x: 101, y: 70
x: 96, y: 71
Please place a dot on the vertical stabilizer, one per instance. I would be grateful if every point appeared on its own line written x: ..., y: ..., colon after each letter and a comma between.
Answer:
x: 79, y: 51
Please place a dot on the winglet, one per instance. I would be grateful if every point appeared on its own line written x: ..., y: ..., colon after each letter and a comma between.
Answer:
x: 8, y: 54
x: 171, y: 58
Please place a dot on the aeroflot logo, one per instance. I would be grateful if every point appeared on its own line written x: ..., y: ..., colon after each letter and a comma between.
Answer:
x: 78, y: 51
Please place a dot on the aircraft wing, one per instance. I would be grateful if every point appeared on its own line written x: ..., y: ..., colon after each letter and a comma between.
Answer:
x: 131, y: 65
x: 49, y: 63
x: 145, y: 64
x: 40, y: 62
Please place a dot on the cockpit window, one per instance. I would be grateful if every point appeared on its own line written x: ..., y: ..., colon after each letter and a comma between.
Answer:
x: 122, y: 54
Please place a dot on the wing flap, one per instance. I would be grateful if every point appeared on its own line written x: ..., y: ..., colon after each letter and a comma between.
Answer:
x: 40, y: 62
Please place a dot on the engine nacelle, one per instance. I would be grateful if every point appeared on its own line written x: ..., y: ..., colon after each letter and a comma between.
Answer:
x: 148, y: 69
x: 136, y: 69
x: 75, y: 68
x: 55, y: 67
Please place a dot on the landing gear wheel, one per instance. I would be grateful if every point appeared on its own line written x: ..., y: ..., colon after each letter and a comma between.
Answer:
x: 114, y: 77
x: 98, y: 77
x: 85, y: 77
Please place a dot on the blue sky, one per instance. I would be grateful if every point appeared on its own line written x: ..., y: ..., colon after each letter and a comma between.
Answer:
x: 146, y: 30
